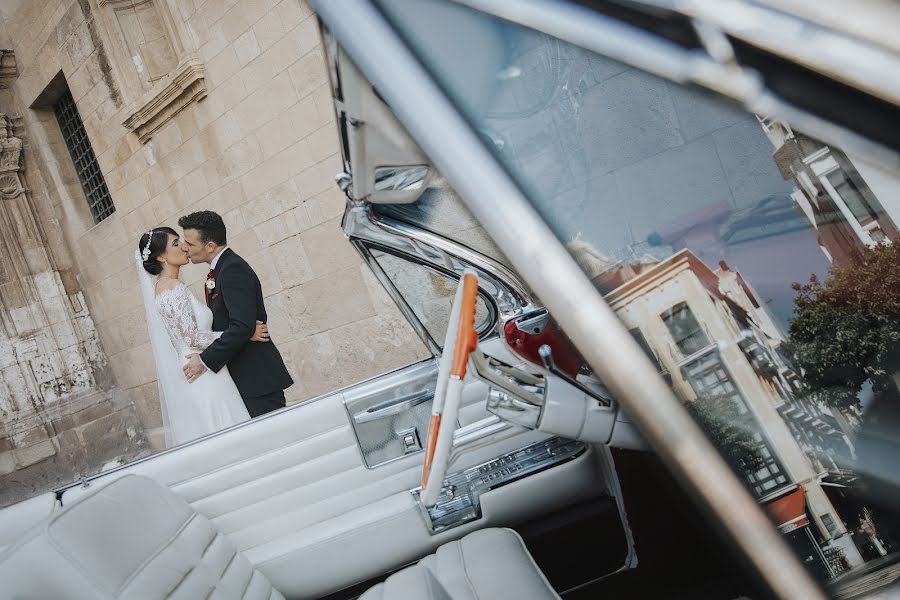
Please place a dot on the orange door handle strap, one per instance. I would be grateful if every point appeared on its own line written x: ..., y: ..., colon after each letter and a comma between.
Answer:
x: 434, y: 425
x: 467, y: 337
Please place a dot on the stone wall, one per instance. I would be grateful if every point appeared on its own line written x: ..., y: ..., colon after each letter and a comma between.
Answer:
x: 245, y: 128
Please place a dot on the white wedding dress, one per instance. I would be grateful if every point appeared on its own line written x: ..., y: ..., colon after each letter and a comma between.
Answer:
x: 212, y: 402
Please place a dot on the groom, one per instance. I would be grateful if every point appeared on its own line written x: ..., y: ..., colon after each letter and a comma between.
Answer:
x: 234, y: 295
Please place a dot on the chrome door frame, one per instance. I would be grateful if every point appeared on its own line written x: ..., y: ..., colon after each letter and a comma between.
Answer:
x: 507, y: 293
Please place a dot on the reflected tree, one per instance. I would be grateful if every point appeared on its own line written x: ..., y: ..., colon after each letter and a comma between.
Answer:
x: 730, y: 431
x: 846, y: 330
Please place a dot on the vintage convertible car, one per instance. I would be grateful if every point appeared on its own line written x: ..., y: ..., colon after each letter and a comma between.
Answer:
x: 541, y: 188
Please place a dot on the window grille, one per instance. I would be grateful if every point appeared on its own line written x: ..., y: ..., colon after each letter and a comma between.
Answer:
x: 92, y: 182
x: 852, y: 196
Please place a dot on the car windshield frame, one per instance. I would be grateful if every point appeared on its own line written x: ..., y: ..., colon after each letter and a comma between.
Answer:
x: 493, y: 179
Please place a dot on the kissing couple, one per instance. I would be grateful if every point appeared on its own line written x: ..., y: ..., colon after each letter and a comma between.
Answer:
x: 216, y: 364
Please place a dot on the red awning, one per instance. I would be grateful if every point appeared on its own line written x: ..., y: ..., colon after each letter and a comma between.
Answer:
x: 788, y: 511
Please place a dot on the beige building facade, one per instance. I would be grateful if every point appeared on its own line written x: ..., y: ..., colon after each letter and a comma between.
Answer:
x: 186, y: 105
x: 713, y: 337
x: 850, y: 203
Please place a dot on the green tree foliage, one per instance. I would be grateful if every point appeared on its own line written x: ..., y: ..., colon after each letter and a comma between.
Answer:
x: 730, y: 431
x: 846, y: 330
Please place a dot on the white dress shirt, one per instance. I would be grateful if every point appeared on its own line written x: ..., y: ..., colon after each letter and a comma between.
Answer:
x: 212, y: 265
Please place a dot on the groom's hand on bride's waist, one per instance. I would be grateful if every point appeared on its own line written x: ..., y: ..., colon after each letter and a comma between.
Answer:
x: 194, y: 367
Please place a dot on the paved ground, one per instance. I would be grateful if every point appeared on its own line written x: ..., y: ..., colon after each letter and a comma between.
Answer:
x: 876, y: 579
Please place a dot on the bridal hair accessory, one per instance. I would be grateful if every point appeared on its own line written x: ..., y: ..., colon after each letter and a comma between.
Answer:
x: 145, y: 253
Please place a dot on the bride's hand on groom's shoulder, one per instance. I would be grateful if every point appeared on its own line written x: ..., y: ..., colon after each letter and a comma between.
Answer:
x: 261, y: 334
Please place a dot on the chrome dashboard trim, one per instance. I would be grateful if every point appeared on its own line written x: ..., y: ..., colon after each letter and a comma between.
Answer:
x: 459, y: 502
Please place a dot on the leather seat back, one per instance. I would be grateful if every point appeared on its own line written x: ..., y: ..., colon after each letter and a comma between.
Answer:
x: 133, y: 538
x: 489, y: 563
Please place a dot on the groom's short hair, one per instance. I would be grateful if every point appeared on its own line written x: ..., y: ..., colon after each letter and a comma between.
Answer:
x: 208, y: 223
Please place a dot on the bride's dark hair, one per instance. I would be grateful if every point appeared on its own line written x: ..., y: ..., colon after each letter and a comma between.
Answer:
x: 159, y: 239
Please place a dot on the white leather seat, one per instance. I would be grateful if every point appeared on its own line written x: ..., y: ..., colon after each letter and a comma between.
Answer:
x: 490, y: 563
x: 135, y: 538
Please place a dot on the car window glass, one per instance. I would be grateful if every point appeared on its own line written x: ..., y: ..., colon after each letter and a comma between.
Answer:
x: 756, y: 264
x: 429, y: 293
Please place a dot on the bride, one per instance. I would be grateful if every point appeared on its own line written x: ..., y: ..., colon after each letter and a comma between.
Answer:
x: 180, y: 325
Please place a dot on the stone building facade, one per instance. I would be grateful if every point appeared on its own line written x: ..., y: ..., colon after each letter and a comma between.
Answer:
x: 711, y: 334
x: 186, y: 104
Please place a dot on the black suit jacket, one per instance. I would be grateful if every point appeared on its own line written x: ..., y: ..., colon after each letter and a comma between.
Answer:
x: 237, y: 303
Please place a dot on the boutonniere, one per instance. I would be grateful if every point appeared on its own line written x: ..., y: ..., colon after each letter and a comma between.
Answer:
x: 210, y: 284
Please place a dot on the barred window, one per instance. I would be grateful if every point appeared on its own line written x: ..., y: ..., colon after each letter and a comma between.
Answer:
x: 683, y: 326
x: 92, y: 182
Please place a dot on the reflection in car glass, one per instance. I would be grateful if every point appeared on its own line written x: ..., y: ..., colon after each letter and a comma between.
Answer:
x: 753, y: 263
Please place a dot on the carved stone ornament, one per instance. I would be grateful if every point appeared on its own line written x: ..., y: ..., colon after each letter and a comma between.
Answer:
x: 8, y: 68
x: 123, y: 3
x: 187, y: 84
x: 10, y: 153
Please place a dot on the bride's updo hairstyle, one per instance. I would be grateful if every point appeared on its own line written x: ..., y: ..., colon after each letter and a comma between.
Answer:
x: 151, y: 245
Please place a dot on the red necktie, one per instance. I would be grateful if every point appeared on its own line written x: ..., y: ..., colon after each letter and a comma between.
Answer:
x: 209, y: 277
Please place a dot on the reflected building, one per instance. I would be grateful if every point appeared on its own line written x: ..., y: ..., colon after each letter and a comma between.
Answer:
x: 850, y: 203
x: 712, y: 337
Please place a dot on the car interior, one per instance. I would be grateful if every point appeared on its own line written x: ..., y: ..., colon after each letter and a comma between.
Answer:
x: 324, y: 498
x: 499, y: 467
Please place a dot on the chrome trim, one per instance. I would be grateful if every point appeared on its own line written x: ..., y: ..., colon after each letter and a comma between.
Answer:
x: 513, y: 409
x: 365, y: 229
x: 401, y: 178
x: 534, y: 323
x: 485, y: 326
x: 511, y: 296
x: 424, y: 371
x: 474, y: 172
x: 495, y: 269
x: 390, y: 408
x: 546, y: 354
x: 394, y: 294
x: 461, y: 492
x: 480, y: 434
x: 526, y: 386
x: 828, y: 51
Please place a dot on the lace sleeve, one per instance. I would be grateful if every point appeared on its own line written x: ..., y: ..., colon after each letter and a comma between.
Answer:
x: 178, y: 315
